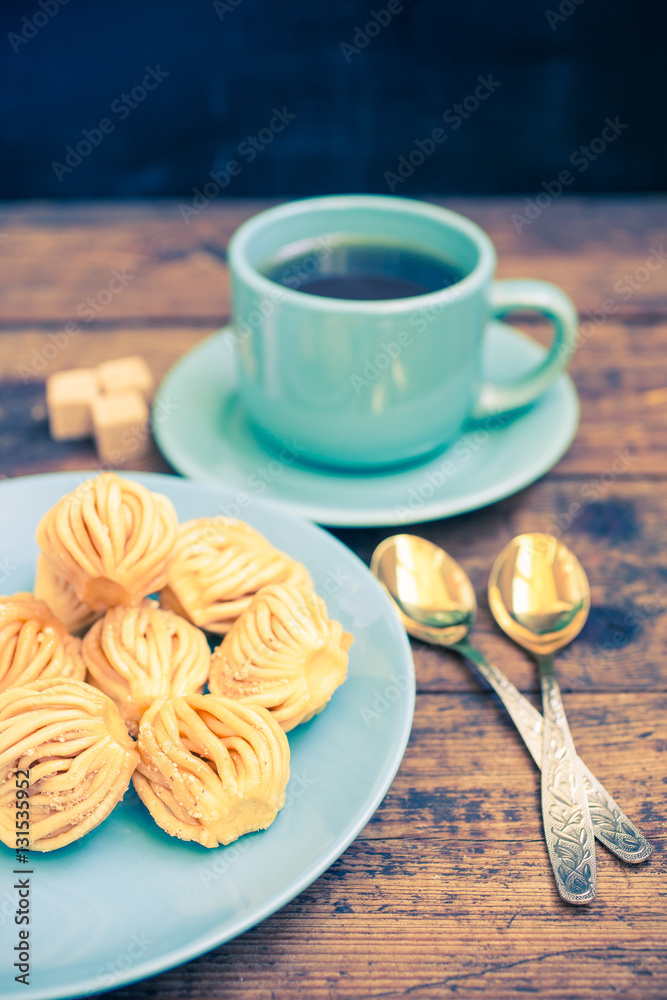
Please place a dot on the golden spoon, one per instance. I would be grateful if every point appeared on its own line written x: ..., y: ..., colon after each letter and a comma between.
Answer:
x: 539, y: 595
x: 436, y: 603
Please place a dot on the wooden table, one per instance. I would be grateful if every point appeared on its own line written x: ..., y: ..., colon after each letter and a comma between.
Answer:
x: 447, y: 891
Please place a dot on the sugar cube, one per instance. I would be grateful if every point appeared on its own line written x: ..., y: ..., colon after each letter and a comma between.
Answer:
x: 122, y: 374
x: 122, y: 426
x: 69, y: 398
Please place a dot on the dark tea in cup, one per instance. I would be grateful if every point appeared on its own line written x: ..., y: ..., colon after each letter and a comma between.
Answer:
x: 351, y: 266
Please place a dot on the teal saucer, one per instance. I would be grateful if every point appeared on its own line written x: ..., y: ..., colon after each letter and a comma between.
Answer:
x: 201, y: 428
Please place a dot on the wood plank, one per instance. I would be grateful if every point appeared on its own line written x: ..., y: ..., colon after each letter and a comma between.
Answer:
x: 171, y: 269
x: 610, y: 356
x: 619, y: 372
x: 31, y: 355
x: 466, y: 773
x: 620, y: 539
x: 586, y: 245
x: 427, y: 920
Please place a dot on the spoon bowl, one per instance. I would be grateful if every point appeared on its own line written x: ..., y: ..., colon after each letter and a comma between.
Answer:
x: 539, y: 593
x: 434, y: 596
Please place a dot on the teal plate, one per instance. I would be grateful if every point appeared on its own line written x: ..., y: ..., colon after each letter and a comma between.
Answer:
x: 128, y: 901
x: 201, y: 428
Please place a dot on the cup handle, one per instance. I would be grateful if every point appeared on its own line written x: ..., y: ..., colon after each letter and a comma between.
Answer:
x: 552, y: 302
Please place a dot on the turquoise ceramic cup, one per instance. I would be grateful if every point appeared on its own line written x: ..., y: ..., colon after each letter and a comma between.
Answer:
x: 362, y: 384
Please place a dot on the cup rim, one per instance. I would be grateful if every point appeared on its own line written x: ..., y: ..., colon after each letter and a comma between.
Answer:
x: 480, y: 275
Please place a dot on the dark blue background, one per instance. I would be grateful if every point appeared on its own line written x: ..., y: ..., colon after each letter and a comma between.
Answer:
x: 354, y: 116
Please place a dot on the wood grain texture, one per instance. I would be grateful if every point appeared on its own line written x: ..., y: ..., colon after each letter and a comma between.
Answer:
x: 447, y: 892
x: 620, y: 373
x: 177, y: 269
x: 430, y: 920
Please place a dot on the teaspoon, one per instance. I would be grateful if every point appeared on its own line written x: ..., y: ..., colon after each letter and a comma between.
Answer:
x: 539, y: 595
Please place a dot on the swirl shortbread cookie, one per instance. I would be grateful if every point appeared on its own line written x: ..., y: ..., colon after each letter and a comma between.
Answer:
x: 61, y: 598
x: 138, y: 654
x: 217, y: 566
x: 211, y: 769
x: 110, y: 539
x: 71, y: 740
x: 34, y: 644
x: 283, y: 653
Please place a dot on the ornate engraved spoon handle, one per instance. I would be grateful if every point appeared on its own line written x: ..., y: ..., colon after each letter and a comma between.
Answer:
x: 568, y: 827
x: 610, y: 824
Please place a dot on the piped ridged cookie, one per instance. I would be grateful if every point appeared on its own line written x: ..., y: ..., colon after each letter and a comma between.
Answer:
x: 137, y: 654
x: 211, y: 769
x: 63, y: 743
x: 110, y: 539
x: 217, y: 566
x: 283, y: 653
x: 34, y: 644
